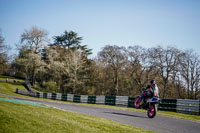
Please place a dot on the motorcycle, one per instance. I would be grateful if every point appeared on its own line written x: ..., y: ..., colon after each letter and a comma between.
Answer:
x: 151, y: 104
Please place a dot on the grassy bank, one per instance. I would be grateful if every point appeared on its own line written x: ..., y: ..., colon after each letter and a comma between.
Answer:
x: 9, y: 88
x: 23, y: 118
x: 10, y: 78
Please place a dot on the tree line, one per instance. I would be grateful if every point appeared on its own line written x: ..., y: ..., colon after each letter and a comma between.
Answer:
x: 64, y: 66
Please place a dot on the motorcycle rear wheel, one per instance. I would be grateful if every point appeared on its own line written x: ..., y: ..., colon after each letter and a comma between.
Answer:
x: 137, y: 102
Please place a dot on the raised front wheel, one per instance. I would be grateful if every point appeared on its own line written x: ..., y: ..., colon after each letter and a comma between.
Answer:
x: 151, y: 112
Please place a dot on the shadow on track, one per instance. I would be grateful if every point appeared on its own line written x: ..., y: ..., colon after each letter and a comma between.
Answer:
x: 115, y: 113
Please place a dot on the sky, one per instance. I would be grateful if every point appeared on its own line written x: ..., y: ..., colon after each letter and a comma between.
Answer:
x: 147, y: 23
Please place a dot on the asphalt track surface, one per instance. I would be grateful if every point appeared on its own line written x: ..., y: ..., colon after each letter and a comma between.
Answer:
x: 158, y: 124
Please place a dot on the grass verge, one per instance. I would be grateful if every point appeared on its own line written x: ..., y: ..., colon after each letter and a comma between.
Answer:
x: 23, y: 118
x: 9, y: 88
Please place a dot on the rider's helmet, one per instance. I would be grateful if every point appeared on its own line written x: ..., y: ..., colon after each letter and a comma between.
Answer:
x: 152, y: 81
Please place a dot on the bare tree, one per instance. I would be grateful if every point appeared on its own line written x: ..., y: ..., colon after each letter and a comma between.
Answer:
x: 34, y: 40
x: 190, y: 71
x: 165, y: 60
x: 3, y: 54
x: 113, y: 56
x: 2, y: 50
x: 68, y: 70
x: 76, y: 66
x: 141, y: 70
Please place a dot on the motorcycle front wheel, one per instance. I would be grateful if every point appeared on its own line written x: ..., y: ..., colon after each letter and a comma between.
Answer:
x: 151, y: 111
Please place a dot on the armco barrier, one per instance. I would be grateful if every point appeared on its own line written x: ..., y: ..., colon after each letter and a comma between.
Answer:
x: 41, y: 95
x: 37, y: 94
x: 16, y: 90
x: 84, y: 99
x: 131, y: 102
x: 45, y: 95
x: 64, y: 97
x: 53, y: 96
x: 77, y: 98
x: 121, y: 101
x: 91, y: 99
x: 33, y: 94
x: 49, y: 95
x: 58, y: 96
x: 175, y: 105
x: 100, y: 99
x: 23, y: 92
x: 188, y: 106
x: 70, y: 97
x: 110, y: 100
x: 168, y: 105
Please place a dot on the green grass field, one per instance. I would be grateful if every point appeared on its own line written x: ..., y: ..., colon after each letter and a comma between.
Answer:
x: 22, y: 118
x: 8, y: 88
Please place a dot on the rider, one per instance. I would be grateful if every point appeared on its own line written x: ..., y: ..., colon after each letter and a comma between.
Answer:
x: 151, y: 90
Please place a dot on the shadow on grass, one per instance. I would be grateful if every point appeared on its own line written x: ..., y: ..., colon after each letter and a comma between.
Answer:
x: 131, y: 115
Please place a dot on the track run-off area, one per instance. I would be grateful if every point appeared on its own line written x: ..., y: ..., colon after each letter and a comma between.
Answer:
x: 160, y: 124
